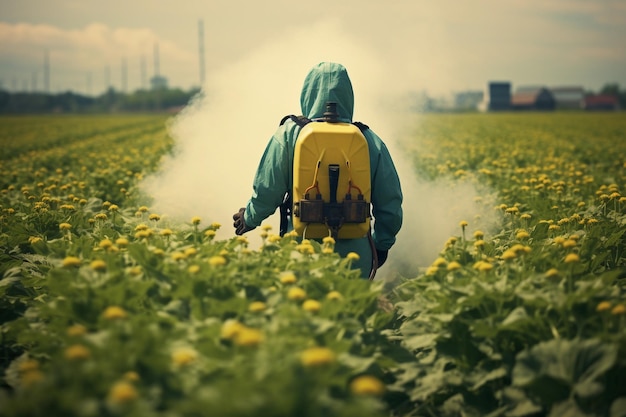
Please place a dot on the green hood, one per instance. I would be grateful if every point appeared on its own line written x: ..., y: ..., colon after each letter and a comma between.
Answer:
x: 327, y: 81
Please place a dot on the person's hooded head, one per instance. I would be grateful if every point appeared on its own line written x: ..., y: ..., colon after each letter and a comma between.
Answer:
x: 327, y: 82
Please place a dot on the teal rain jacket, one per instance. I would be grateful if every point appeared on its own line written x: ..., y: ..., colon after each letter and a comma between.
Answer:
x: 274, y: 177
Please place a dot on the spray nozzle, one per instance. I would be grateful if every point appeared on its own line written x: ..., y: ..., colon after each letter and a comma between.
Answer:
x: 331, y: 115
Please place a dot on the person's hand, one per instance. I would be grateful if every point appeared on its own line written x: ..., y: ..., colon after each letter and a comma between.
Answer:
x: 239, y: 223
x: 382, y: 256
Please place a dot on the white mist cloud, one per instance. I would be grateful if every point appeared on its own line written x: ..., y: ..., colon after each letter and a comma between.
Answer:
x: 221, y: 137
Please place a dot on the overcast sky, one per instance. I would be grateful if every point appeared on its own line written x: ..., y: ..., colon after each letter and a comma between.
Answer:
x: 437, y: 46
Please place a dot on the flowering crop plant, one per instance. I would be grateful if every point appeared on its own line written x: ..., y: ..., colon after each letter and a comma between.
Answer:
x: 109, y: 310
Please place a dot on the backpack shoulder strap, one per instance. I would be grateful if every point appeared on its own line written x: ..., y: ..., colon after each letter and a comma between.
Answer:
x: 299, y: 120
x: 362, y: 126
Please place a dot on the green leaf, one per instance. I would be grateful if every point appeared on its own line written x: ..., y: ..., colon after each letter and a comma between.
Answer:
x: 519, y: 313
x: 554, y: 370
x: 568, y: 408
x: 618, y: 407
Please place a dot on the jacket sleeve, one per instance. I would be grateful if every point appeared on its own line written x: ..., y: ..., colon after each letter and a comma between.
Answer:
x: 386, y: 199
x: 271, y: 181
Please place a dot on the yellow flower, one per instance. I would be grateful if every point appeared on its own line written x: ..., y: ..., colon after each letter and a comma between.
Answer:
x: 33, y: 240
x: 154, y: 217
x: 30, y: 378
x: 334, y: 295
x: 131, y: 376
x: 113, y: 207
x: 143, y: 234
x: 217, y: 260
x: 479, y: 243
x: 210, y: 234
x: 367, y: 385
x: 618, y: 309
x: 230, y: 329
x: 65, y: 226
x: 572, y: 258
x: 196, y: 220
x: 215, y: 225
x: 184, y: 356
x: 312, y: 306
x: 439, y: 262
x: 143, y: 209
x: 28, y: 365
x: 114, y: 313
x: 453, y: 266
x: 287, y: 277
x: 76, y: 330
x: 431, y: 270
x: 77, y: 352
x: 569, y: 243
x: 101, y: 216
x: 317, y: 356
x: 257, y: 306
x: 266, y: 227
x: 552, y: 273
x: 463, y: 224
x: 509, y: 254
x: 193, y: 269
x: 122, y: 242
x: 166, y: 232
x: 179, y: 256
x: 305, y: 248
x: 71, y: 261
x: 105, y: 243
x: 248, y: 337
x: 122, y: 392
x: 522, y: 234
x: 353, y: 256
x: 478, y: 234
x: 190, y: 251
x: 296, y: 294
x: 603, y: 306
x: 483, y: 266
x: 328, y: 240
x: 98, y: 265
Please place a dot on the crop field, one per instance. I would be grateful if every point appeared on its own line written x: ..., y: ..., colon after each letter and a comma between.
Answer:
x: 106, y: 309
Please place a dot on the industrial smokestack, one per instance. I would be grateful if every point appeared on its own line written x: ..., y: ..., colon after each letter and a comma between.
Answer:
x: 156, y: 60
x: 124, y: 75
x: 144, y: 74
x: 46, y: 72
x: 201, y: 51
x: 107, y: 78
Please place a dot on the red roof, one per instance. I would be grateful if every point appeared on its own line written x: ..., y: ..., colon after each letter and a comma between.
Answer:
x: 605, y: 99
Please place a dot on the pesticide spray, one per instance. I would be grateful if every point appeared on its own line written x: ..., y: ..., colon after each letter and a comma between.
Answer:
x: 221, y: 135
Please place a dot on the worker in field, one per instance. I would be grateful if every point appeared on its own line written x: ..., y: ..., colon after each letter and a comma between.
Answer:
x: 329, y: 176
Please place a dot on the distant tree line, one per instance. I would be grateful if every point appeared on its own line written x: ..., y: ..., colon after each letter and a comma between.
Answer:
x: 156, y: 100
x: 171, y: 99
x: 614, y: 90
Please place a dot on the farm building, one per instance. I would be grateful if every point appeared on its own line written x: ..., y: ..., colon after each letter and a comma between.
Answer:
x: 533, y: 98
x: 497, y: 97
x: 601, y: 102
x: 568, y: 97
